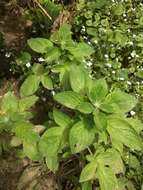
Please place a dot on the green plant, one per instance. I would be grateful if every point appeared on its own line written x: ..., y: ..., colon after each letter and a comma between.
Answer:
x: 13, y: 111
x: 114, y: 28
x: 93, y: 121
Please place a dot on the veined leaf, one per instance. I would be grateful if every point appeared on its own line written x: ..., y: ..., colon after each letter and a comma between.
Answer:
x: 24, y: 131
x: 99, y: 91
x: 80, y: 137
x: 63, y: 36
x: 69, y: 99
x: 9, y: 103
x: 40, y: 45
x: 26, y: 102
x: 86, y: 186
x: 118, y: 101
x: 123, y: 132
x: 31, y: 151
x: 107, y: 178
x: 136, y: 124
x: 61, y: 118
x: 100, y: 120
x: 52, y: 162
x: 50, y: 143
x: 30, y: 85
x: 112, y: 159
x: 85, y: 107
x: 77, y: 78
x: 80, y: 50
x: 47, y: 82
x: 88, y: 172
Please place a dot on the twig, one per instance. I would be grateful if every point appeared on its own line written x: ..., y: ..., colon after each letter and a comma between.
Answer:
x: 44, y: 11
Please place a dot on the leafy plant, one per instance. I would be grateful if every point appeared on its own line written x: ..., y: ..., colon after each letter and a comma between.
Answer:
x: 93, y: 122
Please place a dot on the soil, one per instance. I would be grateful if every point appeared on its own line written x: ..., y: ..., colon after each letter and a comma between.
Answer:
x: 10, y: 170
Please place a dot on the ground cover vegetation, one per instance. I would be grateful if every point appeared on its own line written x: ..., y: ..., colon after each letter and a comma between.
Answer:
x: 71, y: 95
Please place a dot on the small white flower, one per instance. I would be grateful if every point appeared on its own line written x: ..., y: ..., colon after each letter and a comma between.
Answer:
x: 138, y: 83
x: 83, y: 29
x: 130, y: 43
x: 28, y: 65
x: 108, y: 65
x: 121, y: 78
x: 106, y: 56
x: 129, y: 83
x: 129, y: 30
x: 84, y: 37
x: 53, y: 92
x: 133, y: 9
x: 41, y: 59
x: 133, y: 54
x: 113, y: 72
x: 89, y: 63
x: 90, y: 76
x: 134, y: 35
x: 89, y: 42
x: 7, y: 54
x: 132, y: 113
x: 95, y: 41
x: 124, y: 15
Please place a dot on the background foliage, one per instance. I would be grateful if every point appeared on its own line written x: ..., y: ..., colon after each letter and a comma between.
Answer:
x: 88, y: 72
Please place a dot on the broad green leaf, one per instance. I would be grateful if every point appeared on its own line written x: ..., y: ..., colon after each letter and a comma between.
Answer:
x: 107, y: 178
x: 123, y: 132
x: 24, y: 131
x: 99, y: 91
x: 85, y: 107
x: 77, y: 78
x: 112, y: 159
x: 86, y: 186
x: 50, y: 143
x: 139, y: 74
x: 63, y: 36
x: 69, y: 99
x: 88, y: 172
x: 53, y: 55
x: 136, y: 124
x: 100, y: 120
x: 30, y: 85
x: 61, y: 118
x: 15, y: 141
x: 40, y: 45
x: 9, y: 103
x: 52, y: 163
x: 80, y: 137
x: 31, y: 151
x: 38, y: 69
x: 26, y: 102
x: 47, y: 82
x: 118, y: 101
x: 80, y: 50
x: 118, y: 145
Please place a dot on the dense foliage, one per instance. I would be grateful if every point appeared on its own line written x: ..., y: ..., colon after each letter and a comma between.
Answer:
x: 92, y: 75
